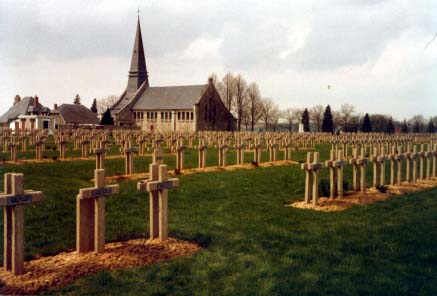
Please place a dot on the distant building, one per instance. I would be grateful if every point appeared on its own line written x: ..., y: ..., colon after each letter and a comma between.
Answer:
x: 168, y: 108
x: 74, y: 115
x: 27, y: 114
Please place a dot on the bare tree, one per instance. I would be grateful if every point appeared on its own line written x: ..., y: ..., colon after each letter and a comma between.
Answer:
x: 246, y: 115
x: 105, y: 103
x: 355, y: 122
x: 288, y: 116
x: 240, y: 98
x: 337, y: 118
x: 316, y: 116
x: 266, y: 114
x: 297, y: 115
x: 226, y: 89
x: 254, y: 104
x: 275, y: 116
x: 418, y: 123
x: 346, y: 111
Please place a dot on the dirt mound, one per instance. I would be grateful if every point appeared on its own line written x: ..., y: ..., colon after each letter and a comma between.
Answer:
x: 372, y: 195
x: 48, y: 272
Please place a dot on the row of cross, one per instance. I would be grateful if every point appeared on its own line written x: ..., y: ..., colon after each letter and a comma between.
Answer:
x: 420, y: 165
x: 90, y: 211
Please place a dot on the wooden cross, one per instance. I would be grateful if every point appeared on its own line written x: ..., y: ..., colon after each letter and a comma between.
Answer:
x: 273, y: 149
x: 100, y: 155
x: 12, y: 200
x: 311, y: 167
x: 362, y: 162
x: 240, y: 152
x: 13, y: 145
x: 202, y: 154
x: 355, y: 169
x: 129, y: 152
x: 157, y: 186
x: 158, y: 156
x: 39, y: 144
x: 180, y: 157
x: 257, y: 152
x: 84, y: 144
x: 62, y: 144
x: 222, y: 148
x: 428, y: 155
x: 398, y: 158
x: 90, y: 214
x: 335, y: 165
x: 381, y: 160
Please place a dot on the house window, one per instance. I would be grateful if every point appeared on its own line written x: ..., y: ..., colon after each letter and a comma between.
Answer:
x: 192, y: 115
x: 206, y: 112
x: 183, y: 115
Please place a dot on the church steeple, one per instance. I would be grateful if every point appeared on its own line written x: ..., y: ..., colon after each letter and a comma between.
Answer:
x: 138, y: 70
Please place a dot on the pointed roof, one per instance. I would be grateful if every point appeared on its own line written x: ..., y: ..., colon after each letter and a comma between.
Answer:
x: 138, y: 69
x: 23, y: 107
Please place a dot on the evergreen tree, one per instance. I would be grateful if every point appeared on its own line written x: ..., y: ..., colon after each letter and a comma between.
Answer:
x: 328, y: 122
x: 94, y: 106
x: 306, y: 120
x: 107, y: 118
x: 77, y: 99
x: 367, y: 124
x: 431, y: 127
x: 404, y: 127
x: 390, y: 129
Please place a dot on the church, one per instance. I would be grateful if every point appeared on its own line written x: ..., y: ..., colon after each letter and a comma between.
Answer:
x: 185, y: 108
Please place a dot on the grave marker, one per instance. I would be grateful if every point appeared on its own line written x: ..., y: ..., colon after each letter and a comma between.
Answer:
x: 13, y: 200
x: 90, y: 214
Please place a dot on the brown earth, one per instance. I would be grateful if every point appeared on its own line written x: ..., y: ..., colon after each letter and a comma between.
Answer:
x: 372, y: 195
x: 48, y: 272
x: 119, y: 178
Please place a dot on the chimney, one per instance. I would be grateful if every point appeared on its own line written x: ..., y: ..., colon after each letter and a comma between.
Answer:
x: 35, y: 101
x: 17, y: 99
x: 55, y: 106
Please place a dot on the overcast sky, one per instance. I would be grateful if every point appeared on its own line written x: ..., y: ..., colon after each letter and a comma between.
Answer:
x: 372, y: 52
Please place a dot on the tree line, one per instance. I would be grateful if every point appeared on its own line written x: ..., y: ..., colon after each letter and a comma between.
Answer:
x: 253, y: 111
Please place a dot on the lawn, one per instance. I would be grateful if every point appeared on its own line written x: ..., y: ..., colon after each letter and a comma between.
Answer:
x: 252, y: 243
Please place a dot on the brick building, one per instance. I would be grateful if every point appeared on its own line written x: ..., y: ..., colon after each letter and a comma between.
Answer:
x: 168, y: 108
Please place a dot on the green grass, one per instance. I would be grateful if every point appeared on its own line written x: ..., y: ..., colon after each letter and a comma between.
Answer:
x: 252, y: 244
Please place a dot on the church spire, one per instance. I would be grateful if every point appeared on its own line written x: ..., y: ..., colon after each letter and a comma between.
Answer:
x: 138, y: 70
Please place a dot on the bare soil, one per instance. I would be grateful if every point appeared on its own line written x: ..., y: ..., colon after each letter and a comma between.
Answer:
x: 119, y: 178
x: 371, y: 195
x: 48, y: 272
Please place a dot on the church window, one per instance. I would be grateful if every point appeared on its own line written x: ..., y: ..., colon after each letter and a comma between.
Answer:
x: 206, y: 112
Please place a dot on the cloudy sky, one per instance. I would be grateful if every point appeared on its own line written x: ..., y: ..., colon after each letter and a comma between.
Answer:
x: 373, y: 53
